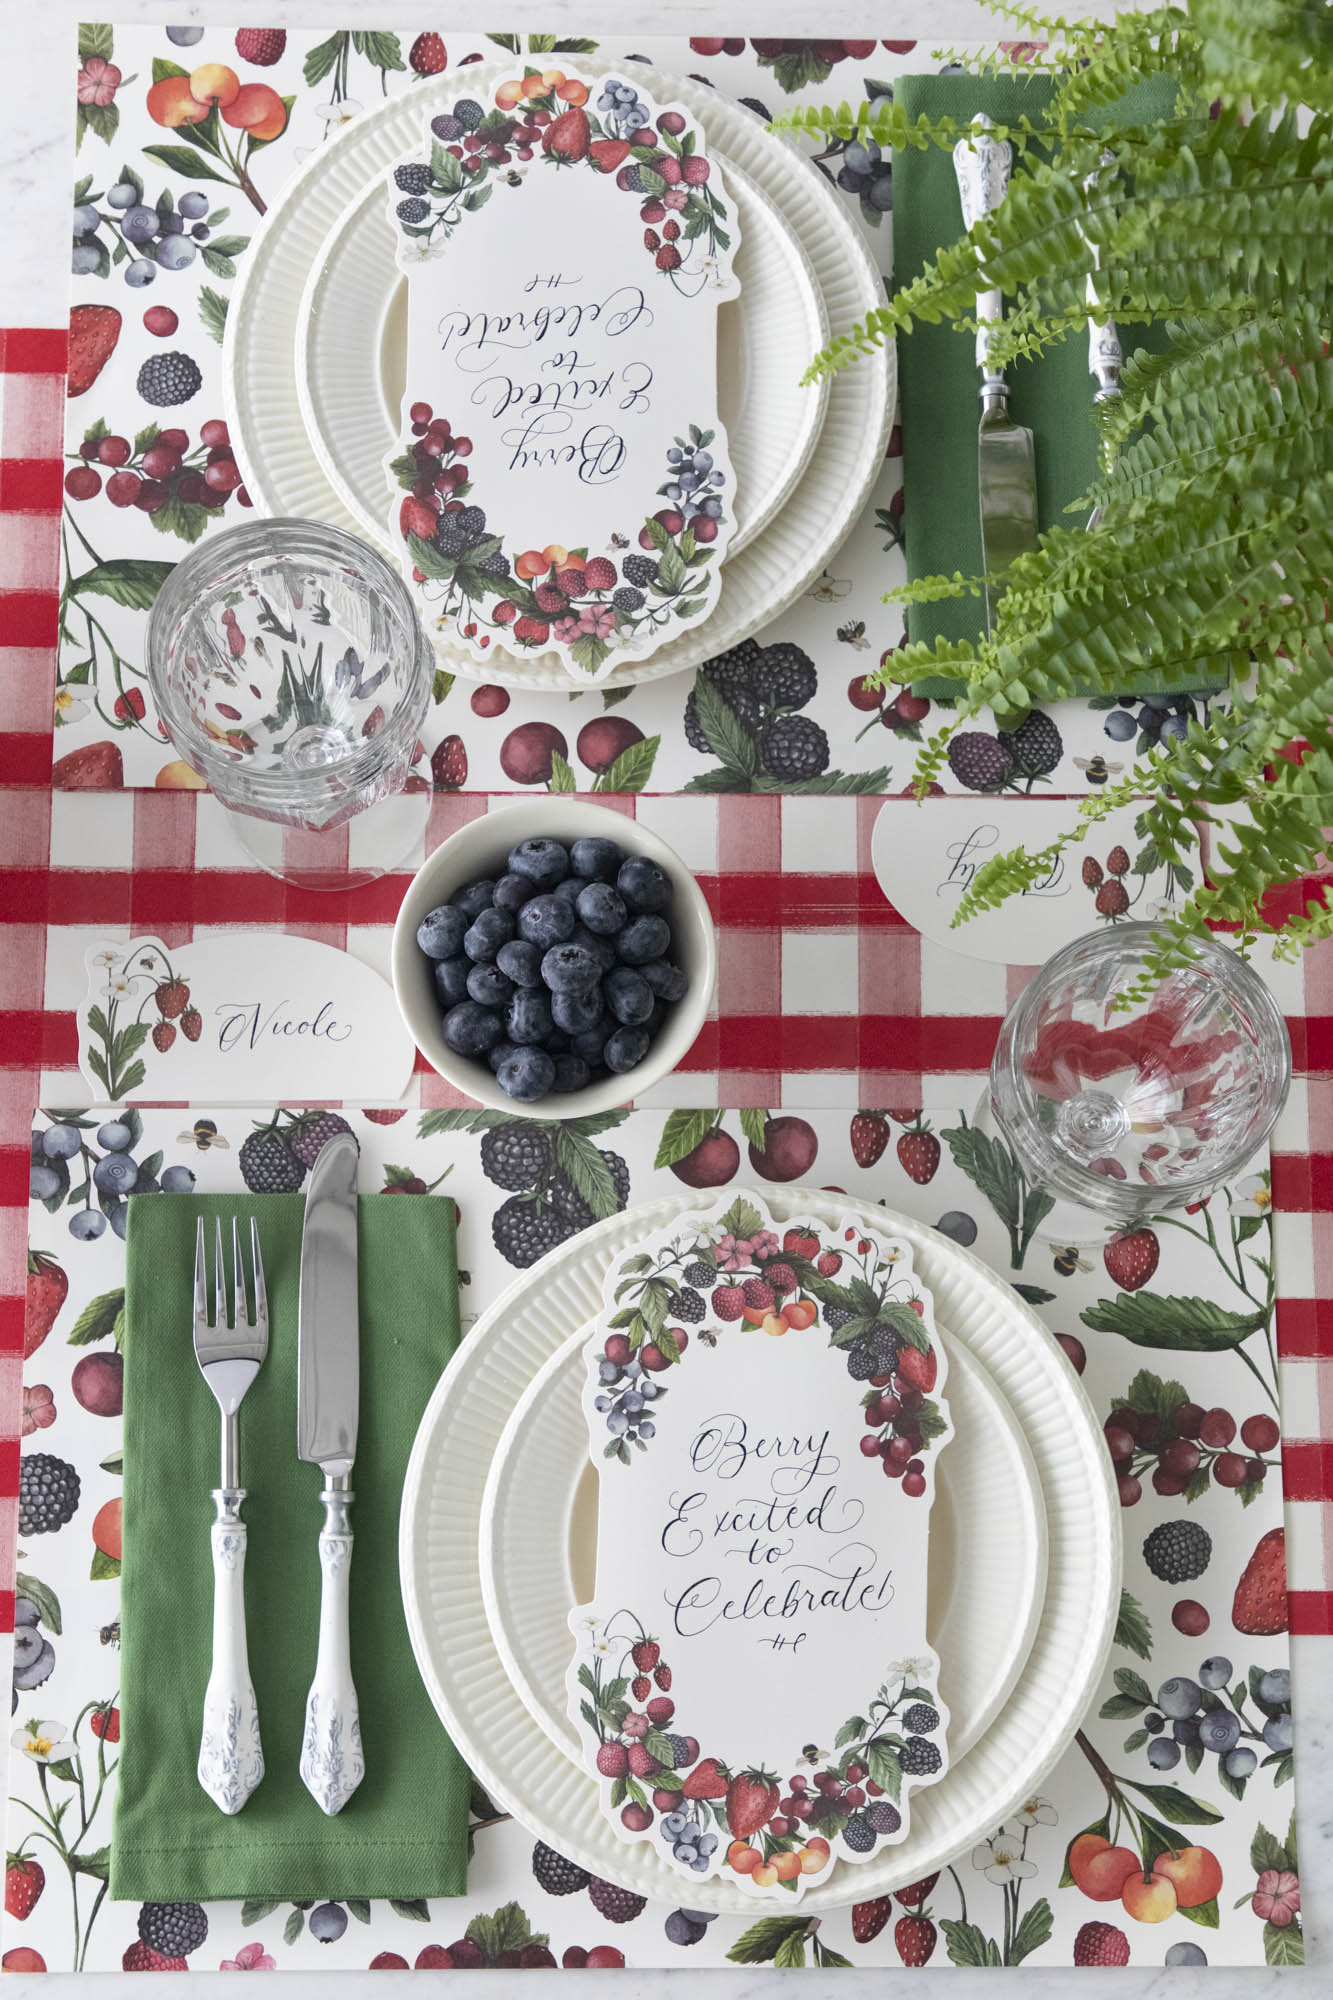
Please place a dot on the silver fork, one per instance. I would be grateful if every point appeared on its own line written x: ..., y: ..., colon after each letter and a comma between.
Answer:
x: 230, y: 1354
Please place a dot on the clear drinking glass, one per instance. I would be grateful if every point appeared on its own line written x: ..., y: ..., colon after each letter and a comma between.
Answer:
x: 290, y: 670
x: 1125, y: 1112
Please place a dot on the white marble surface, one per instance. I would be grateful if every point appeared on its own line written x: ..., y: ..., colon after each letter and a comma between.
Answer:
x: 36, y: 163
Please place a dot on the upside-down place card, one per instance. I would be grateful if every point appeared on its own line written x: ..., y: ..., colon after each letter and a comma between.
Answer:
x: 563, y: 474
x: 752, y: 1682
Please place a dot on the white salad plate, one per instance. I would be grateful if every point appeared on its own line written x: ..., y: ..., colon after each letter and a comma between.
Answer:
x: 512, y: 1752
x: 262, y: 361
x: 352, y: 331
x: 538, y: 1545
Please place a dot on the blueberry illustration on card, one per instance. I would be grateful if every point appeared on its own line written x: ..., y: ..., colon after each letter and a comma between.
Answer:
x: 562, y: 479
x: 752, y: 1683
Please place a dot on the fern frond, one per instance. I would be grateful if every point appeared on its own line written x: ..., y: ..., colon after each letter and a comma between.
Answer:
x: 1267, y: 50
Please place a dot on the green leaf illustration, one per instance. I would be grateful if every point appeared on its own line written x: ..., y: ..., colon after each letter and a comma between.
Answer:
x: 1133, y: 1630
x: 742, y: 1218
x: 1033, y: 1931
x: 1134, y: 1685
x: 729, y: 739
x: 967, y: 1944
x: 632, y: 768
x: 562, y: 777
x: 42, y: 1595
x: 128, y: 580
x: 1283, y: 1946
x: 379, y: 47
x: 1267, y: 1851
x: 1178, y: 1805
x: 185, y: 161
x: 761, y: 1943
x: 1188, y: 1325
x: 586, y: 1169
x: 681, y: 1133
x: 255, y: 1908
x: 1203, y: 1913
x: 213, y: 313
x: 433, y: 1122
x: 98, y: 1319
x: 754, y: 1125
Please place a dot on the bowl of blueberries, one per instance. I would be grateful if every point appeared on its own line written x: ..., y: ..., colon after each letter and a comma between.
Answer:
x: 557, y: 957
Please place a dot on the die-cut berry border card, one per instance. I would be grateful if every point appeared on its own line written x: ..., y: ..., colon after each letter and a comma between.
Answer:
x: 752, y: 1683
x: 563, y: 478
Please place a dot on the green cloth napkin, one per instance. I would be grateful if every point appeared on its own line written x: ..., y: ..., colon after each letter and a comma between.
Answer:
x: 404, y: 1832
x: 938, y: 371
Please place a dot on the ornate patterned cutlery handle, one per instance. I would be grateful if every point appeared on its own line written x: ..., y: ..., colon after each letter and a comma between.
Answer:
x: 1105, y: 354
x: 332, y: 1764
x: 231, y: 1760
x: 982, y: 167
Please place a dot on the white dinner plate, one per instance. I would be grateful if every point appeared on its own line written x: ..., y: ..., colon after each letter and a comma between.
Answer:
x: 538, y: 1545
x: 351, y: 341
x: 284, y: 476
x: 512, y: 1753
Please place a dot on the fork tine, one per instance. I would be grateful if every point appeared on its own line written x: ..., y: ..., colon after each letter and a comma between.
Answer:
x: 220, y: 1278
x: 200, y: 1276
x: 261, y: 1296
x: 240, y: 1311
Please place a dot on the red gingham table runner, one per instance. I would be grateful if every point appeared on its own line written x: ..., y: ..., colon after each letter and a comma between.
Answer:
x: 826, y: 995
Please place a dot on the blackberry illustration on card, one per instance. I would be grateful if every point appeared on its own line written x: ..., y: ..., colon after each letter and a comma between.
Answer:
x: 562, y: 478
x: 752, y: 1683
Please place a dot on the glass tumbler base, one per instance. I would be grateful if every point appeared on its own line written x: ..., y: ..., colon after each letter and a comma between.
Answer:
x: 388, y: 835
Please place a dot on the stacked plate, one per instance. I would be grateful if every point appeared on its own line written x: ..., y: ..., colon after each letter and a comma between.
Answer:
x: 316, y: 341
x: 497, y: 1545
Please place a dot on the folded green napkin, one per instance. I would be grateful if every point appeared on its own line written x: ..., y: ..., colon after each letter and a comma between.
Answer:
x: 404, y: 1832
x: 937, y: 364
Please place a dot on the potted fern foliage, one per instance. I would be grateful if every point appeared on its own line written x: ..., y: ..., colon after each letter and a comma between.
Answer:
x: 1212, y: 554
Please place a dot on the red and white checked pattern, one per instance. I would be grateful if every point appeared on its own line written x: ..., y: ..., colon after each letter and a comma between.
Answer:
x: 825, y: 994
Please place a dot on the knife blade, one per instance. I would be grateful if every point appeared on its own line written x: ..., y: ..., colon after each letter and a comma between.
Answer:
x: 328, y: 1395
x: 1006, y: 459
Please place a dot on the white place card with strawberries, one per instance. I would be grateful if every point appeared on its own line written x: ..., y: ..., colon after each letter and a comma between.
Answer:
x: 752, y: 1683
x: 560, y: 410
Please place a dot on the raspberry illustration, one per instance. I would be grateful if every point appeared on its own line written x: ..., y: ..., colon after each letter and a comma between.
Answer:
x: 780, y: 1277
x: 525, y: 1230
x: 427, y: 55
x: 1117, y: 862
x: 48, y: 1493
x: 869, y: 1919
x: 556, y: 1875
x: 515, y: 1155
x: 140, y: 1957
x: 173, y: 1929
x: 728, y: 1302
x: 795, y: 749
x: 261, y: 46
x: 163, y: 1036
x: 167, y: 379
x: 919, y: 1154
x: 758, y: 1296
x: 919, y: 1757
x: 642, y: 1761
x: 311, y: 1134
x: 268, y: 1164
x: 1131, y: 1258
x: 1178, y: 1551
x: 1092, y: 872
x: 1035, y: 745
x: 1112, y: 899
x: 618, y: 1906
x: 869, y: 1135
x: 612, y: 1760
x: 979, y: 762
x: 24, y: 1881
x: 1101, y: 1944
x: 915, y: 1939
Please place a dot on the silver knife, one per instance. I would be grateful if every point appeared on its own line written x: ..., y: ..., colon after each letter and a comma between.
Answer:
x: 328, y: 1388
x: 1006, y: 463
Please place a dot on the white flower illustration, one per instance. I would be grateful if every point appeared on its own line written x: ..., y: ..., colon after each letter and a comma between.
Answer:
x: 1001, y: 1857
x: 1034, y: 1812
x: 44, y: 1742
x: 70, y: 703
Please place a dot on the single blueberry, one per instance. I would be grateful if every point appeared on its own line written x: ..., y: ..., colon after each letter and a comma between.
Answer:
x: 1179, y: 1697
x: 1120, y: 726
x: 177, y: 1180
x: 570, y: 968
x: 488, y: 985
x: 544, y: 862
x: 577, y: 1012
x: 667, y: 981
x: 571, y: 1073
x: 687, y: 1853
x: 521, y: 962
x: 43, y: 1182
x: 601, y: 860
x: 328, y: 1921
x: 123, y: 195
x: 643, y: 884
x: 646, y: 938
x: 588, y: 1045
x: 440, y: 932
x: 139, y: 224
x: 629, y: 996
x: 489, y: 930
x: 570, y: 889
x: 602, y: 909
x: 1278, y: 1732
x: 527, y: 1075
x: 1240, y: 1761
x: 1185, y: 1953
x: 139, y: 271
x: 1185, y: 1730
x: 175, y: 253
x: 625, y: 1049
x: 472, y: 900
x: 681, y: 1929
x: 528, y: 1021
x: 85, y: 258
x: 115, y: 1137
x: 511, y: 892
x: 451, y: 979
x: 1163, y: 1754
x: 193, y: 206
x: 61, y: 1142
x: 546, y: 921
x: 957, y: 1223
x: 1220, y: 1731
x: 603, y: 949
x: 497, y: 1055
x: 469, y: 1030
x: 115, y: 1173
x: 87, y: 1225
x: 86, y: 219
x: 1215, y: 1672
x: 1275, y: 1686
x: 1153, y: 1723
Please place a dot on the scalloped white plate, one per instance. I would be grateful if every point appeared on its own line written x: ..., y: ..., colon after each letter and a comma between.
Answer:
x: 512, y: 1753
x: 284, y: 476
x: 538, y: 1545
x: 351, y: 354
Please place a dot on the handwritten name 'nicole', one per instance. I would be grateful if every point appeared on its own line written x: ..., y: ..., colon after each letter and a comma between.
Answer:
x: 246, y: 1023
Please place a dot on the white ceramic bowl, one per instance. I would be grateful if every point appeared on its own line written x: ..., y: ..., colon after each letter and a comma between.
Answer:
x: 477, y: 851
